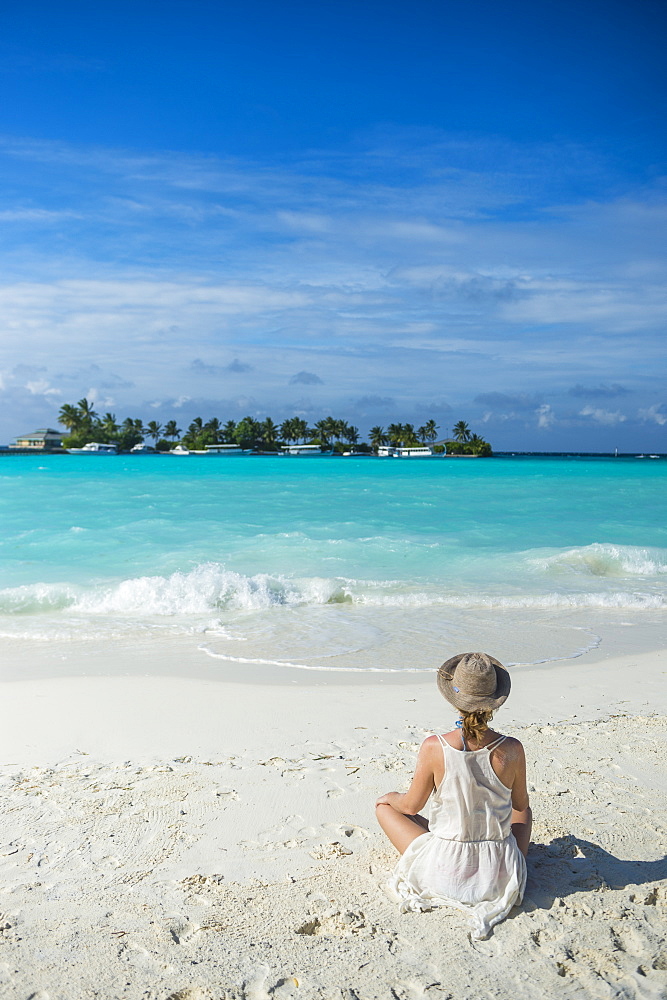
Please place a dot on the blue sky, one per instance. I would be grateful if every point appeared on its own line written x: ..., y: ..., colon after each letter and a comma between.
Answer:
x: 383, y: 211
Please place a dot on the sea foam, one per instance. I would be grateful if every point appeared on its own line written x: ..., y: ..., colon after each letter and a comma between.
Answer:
x: 605, y: 560
x: 210, y: 587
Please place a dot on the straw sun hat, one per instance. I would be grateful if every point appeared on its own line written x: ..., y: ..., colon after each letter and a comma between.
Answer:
x: 474, y: 682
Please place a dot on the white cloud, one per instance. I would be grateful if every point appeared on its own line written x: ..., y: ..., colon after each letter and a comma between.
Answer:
x: 545, y: 416
x: 656, y: 414
x: 35, y: 215
x: 617, y: 307
x: 94, y: 396
x: 306, y: 222
x: 41, y: 387
x: 605, y: 417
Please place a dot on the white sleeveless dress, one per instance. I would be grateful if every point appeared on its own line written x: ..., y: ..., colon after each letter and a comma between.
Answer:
x: 469, y: 858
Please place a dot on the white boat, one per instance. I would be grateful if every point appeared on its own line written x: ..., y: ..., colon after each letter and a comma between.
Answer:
x: 180, y: 449
x: 142, y: 449
x: 224, y: 449
x: 422, y: 451
x: 386, y: 451
x: 304, y: 449
x: 94, y: 448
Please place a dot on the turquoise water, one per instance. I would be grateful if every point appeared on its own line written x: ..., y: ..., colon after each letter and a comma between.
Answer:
x: 334, y: 563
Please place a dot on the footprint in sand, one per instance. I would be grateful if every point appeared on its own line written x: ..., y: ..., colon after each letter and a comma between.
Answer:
x: 352, y: 832
x: 336, y: 924
x: 254, y: 988
x: 288, y: 987
x: 182, y: 931
x: 197, y: 993
x: 323, y: 852
x: 139, y: 957
x: 227, y: 795
x: 412, y: 989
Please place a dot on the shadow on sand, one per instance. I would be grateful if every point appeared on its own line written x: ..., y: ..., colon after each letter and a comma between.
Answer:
x: 569, y: 864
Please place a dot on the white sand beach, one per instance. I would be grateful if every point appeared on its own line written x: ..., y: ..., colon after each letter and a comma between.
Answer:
x: 207, y: 839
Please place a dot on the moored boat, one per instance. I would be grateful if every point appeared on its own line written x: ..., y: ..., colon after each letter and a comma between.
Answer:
x: 304, y: 449
x: 224, y: 449
x: 407, y: 451
x: 94, y: 448
x: 420, y: 451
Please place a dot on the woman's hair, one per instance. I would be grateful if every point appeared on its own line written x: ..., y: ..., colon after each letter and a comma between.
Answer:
x: 475, y: 724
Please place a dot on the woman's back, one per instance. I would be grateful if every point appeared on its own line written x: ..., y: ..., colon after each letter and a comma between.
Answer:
x: 471, y: 803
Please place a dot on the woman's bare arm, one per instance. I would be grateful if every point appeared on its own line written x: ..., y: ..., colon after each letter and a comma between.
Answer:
x: 522, y: 817
x: 409, y: 803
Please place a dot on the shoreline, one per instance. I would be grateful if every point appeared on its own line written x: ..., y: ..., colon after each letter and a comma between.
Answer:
x: 195, y: 656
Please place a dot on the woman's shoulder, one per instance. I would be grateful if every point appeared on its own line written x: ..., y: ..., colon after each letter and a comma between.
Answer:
x: 437, y: 739
x: 431, y: 748
x: 431, y: 742
x: 510, y: 748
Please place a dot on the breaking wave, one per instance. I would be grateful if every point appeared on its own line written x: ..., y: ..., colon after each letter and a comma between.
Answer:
x: 211, y: 588
x: 605, y: 560
x: 208, y: 587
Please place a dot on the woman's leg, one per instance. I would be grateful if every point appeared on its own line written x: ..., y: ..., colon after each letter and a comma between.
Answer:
x: 400, y: 829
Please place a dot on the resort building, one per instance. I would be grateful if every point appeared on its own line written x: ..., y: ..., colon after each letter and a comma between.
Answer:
x: 44, y: 439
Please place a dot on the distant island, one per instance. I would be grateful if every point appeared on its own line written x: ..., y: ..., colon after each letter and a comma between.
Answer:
x: 85, y: 426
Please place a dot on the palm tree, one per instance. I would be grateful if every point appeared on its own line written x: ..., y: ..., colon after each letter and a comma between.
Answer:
x: 479, y: 446
x: 428, y: 431
x: 229, y: 431
x: 87, y: 412
x: 153, y: 430
x: 269, y: 433
x: 109, y: 426
x: 300, y: 429
x: 351, y: 434
x: 409, y: 436
x: 70, y: 417
x: 287, y: 430
x: 196, y: 427
x: 377, y: 437
x: 171, y: 429
x: 395, y: 433
x: 331, y: 428
x: 130, y: 432
x: 461, y: 431
x: 247, y: 432
x: 213, y: 427
x: 341, y: 429
x: 322, y: 431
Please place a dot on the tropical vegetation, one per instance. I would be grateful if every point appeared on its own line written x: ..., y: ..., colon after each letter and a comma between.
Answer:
x: 85, y: 425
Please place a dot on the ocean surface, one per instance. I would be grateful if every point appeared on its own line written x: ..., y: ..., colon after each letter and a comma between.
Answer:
x: 335, y: 564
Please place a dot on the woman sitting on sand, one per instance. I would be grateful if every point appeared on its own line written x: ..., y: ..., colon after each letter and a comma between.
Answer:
x: 473, y: 853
